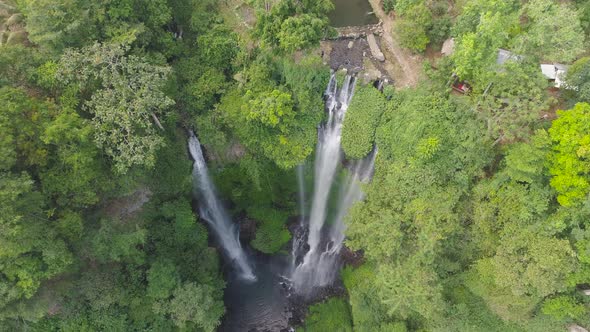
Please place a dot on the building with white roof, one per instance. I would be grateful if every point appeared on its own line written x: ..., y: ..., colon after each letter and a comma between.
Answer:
x: 555, y: 72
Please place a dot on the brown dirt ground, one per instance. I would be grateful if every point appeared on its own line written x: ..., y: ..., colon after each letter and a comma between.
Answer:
x: 404, y: 67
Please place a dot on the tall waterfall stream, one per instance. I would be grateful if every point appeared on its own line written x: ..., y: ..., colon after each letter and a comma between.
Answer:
x: 261, y: 291
x: 211, y: 209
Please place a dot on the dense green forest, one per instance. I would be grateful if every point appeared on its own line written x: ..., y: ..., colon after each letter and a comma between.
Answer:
x: 475, y: 218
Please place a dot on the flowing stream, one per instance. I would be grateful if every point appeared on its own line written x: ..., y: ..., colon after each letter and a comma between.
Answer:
x: 211, y: 209
x: 320, y: 264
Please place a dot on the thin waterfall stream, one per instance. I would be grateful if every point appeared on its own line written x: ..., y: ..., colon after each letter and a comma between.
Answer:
x: 299, y: 239
x: 211, y: 209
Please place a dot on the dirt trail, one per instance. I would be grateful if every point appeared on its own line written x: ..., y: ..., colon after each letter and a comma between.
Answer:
x: 410, y: 64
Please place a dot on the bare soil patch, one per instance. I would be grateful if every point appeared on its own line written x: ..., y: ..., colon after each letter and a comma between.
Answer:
x: 409, y: 63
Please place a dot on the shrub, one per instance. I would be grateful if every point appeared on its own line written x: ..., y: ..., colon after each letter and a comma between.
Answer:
x: 332, y: 315
x: 362, y: 118
x: 388, y: 5
x: 564, y: 308
x: 271, y: 233
x: 416, y: 20
x: 411, y: 35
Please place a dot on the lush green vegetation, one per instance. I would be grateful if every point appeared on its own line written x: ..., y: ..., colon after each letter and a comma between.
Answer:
x: 420, y: 22
x: 362, y: 117
x: 331, y: 315
x: 476, y: 218
x: 97, y: 230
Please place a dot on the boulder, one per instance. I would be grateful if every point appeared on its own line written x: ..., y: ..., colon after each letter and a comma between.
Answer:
x: 375, y: 50
x: 576, y: 328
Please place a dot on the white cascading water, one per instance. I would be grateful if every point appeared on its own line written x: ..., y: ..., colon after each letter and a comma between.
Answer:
x: 298, y: 240
x: 327, y: 157
x: 320, y: 262
x: 301, y: 184
x: 214, y: 213
x: 350, y: 193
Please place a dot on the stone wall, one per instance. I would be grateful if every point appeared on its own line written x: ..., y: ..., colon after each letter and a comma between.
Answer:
x: 359, y: 31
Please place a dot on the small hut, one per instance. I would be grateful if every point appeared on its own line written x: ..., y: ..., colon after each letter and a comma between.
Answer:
x: 555, y: 73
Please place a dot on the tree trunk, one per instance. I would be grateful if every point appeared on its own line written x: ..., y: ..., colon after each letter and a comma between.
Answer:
x: 157, y: 121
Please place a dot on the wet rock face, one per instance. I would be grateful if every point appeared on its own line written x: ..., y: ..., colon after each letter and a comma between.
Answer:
x: 298, y: 243
x: 247, y: 229
x: 352, y: 258
x: 350, y: 58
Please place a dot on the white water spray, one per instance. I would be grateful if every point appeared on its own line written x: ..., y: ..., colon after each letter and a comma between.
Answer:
x: 301, y: 184
x: 214, y: 213
x: 298, y: 239
x: 319, y: 265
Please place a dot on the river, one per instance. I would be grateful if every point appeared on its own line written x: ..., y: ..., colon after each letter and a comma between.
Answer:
x: 352, y: 13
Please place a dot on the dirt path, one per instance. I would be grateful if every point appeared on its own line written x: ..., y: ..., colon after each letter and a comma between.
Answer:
x: 410, y: 64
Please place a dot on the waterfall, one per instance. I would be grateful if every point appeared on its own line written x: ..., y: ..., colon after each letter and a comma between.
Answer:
x: 211, y: 209
x: 301, y: 184
x: 320, y: 263
x: 350, y: 193
x: 298, y: 244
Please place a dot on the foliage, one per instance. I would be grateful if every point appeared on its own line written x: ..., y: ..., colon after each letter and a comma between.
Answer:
x: 569, y: 158
x: 388, y: 5
x: 71, y: 259
x: 440, y: 29
x: 577, y: 81
x: 162, y: 278
x: 410, y: 290
x: 300, y: 32
x: 331, y: 315
x: 273, y: 108
x: 514, y: 101
x: 554, y: 32
x: 266, y: 119
x: 113, y: 243
x: 271, y: 233
x: 367, y: 312
x: 548, y: 263
x: 362, y: 118
x: 475, y: 52
x: 412, y: 35
x: 412, y: 29
x: 30, y: 251
x: 56, y: 25
x: 12, y: 28
x: 476, y: 217
x: 194, y: 305
x: 286, y: 145
x: 564, y: 307
x: 292, y: 25
x: 471, y: 13
x: 421, y: 137
x: 469, y: 312
x: 266, y: 194
x: 127, y: 95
